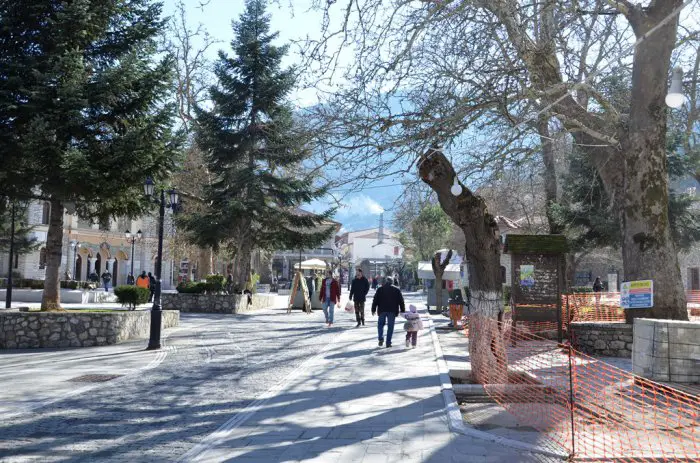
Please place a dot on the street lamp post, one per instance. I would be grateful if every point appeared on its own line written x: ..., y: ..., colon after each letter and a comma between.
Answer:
x: 76, y: 248
x: 132, y: 239
x: 8, y: 294
x: 156, y: 310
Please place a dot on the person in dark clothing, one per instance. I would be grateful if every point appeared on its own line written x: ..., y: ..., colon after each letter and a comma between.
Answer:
x: 597, y: 289
x: 358, y: 293
x: 387, y: 301
x: 151, y: 286
x: 106, y: 279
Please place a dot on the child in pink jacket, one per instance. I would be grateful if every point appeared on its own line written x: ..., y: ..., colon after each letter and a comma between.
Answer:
x: 412, y: 325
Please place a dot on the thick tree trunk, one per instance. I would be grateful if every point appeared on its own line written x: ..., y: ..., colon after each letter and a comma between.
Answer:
x: 648, y: 251
x: 486, y: 345
x: 241, y: 269
x: 51, y: 299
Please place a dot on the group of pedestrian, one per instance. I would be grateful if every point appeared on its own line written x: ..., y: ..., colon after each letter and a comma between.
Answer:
x: 147, y: 281
x: 387, y: 303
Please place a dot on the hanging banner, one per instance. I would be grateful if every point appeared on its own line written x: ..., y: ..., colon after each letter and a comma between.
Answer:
x: 637, y: 294
x: 527, y: 275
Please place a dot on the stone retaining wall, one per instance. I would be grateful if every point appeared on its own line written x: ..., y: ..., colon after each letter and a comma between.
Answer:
x: 221, y: 303
x: 602, y: 338
x: 68, y: 296
x: 22, y: 330
x: 667, y: 350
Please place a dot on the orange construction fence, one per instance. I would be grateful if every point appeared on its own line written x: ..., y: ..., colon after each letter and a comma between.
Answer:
x: 590, y: 410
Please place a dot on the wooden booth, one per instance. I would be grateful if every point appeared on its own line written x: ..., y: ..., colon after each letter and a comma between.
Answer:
x: 538, y: 266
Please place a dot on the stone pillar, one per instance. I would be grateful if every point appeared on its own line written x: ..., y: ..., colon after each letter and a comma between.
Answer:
x: 90, y: 265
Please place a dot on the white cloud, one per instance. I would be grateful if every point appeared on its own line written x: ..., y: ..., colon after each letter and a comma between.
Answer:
x: 361, y: 205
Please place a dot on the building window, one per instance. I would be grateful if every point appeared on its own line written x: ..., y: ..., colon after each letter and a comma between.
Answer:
x: 503, y: 274
x: 396, y: 250
x: 123, y: 224
x: 45, y: 213
x: 104, y: 224
x: 42, y: 259
x: 16, y: 263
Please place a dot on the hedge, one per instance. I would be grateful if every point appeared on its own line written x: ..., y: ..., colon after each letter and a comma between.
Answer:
x: 131, y: 296
x: 215, y: 284
x: 191, y: 288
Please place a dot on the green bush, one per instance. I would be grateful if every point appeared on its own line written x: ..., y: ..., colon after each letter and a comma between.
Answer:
x: 506, y: 294
x: 131, y: 296
x: 69, y: 284
x: 581, y: 289
x: 191, y: 288
x: 215, y: 284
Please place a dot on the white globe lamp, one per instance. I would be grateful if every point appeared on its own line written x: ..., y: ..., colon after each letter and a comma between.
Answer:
x: 675, y: 97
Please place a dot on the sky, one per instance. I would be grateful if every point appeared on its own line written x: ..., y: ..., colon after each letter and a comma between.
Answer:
x: 360, y: 209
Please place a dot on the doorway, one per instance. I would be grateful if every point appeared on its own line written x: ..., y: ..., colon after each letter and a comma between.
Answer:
x: 115, y: 272
x: 98, y: 264
x: 78, y: 268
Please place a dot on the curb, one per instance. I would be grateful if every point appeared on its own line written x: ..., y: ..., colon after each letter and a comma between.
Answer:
x: 454, y: 415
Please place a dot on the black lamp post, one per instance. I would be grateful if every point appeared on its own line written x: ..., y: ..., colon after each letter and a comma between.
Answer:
x: 156, y: 311
x: 132, y: 239
x: 8, y: 294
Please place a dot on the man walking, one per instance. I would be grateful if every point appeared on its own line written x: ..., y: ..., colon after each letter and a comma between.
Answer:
x: 388, y: 300
x: 106, y: 278
x: 151, y: 286
x: 329, y: 295
x: 358, y: 293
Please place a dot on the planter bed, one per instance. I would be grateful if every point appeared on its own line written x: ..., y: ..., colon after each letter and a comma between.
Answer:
x: 24, y: 330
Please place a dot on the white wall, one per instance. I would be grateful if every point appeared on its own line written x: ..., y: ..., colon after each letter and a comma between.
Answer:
x: 367, y: 248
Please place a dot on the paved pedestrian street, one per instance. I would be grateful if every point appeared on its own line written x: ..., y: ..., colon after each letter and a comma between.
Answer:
x: 263, y: 387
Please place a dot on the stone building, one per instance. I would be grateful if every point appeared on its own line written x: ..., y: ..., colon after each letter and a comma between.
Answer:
x: 99, y: 246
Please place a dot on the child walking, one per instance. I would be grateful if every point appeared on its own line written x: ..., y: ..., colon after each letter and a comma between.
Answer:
x: 412, y: 326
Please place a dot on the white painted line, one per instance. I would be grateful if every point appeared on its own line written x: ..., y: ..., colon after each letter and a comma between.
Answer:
x: 454, y: 414
x: 226, y: 429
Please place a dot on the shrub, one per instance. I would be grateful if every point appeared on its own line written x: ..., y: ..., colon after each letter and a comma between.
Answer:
x: 581, y: 289
x: 68, y: 284
x: 215, y: 284
x: 506, y: 294
x: 191, y: 288
x: 131, y: 295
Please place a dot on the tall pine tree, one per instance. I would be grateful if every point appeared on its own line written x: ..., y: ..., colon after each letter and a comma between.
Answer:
x: 252, y: 145
x: 82, y: 114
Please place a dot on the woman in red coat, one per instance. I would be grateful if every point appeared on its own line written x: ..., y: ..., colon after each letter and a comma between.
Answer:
x: 329, y: 294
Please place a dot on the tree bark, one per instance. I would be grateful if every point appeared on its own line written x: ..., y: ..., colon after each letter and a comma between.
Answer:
x: 241, y: 269
x: 439, y: 271
x: 648, y: 250
x: 51, y: 298
x: 550, y: 174
x: 483, y: 253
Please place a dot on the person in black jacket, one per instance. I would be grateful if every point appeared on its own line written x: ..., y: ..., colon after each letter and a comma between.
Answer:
x: 388, y: 300
x: 358, y: 293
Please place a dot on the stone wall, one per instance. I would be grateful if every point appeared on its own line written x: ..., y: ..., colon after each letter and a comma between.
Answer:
x: 667, y: 350
x: 68, y: 296
x: 221, y: 303
x: 22, y: 330
x: 602, y: 338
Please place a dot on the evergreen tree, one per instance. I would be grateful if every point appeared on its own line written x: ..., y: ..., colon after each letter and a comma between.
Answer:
x: 253, y: 146
x: 82, y: 118
x: 24, y: 242
x: 588, y: 216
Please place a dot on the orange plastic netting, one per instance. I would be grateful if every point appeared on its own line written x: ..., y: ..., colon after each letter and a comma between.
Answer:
x: 589, y: 409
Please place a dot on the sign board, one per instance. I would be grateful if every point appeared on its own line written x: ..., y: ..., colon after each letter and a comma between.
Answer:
x: 612, y: 282
x: 527, y: 275
x: 637, y: 294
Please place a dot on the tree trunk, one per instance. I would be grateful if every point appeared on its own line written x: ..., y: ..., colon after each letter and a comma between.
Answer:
x: 483, y: 252
x: 439, y: 271
x: 241, y: 270
x: 648, y: 251
x: 550, y: 174
x: 51, y: 298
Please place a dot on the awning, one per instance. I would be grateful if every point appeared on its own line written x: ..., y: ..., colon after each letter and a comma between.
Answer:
x: 312, y: 264
x: 425, y: 271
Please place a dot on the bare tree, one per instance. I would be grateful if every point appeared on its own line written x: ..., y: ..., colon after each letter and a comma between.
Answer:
x: 445, y: 72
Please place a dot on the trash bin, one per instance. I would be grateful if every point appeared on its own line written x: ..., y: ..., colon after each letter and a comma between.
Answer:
x: 456, y: 311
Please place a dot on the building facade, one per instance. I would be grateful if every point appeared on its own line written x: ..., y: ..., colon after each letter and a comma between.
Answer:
x: 90, y: 247
x: 369, y: 249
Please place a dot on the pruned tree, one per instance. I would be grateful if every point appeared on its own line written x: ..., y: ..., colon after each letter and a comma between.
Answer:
x: 439, y: 267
